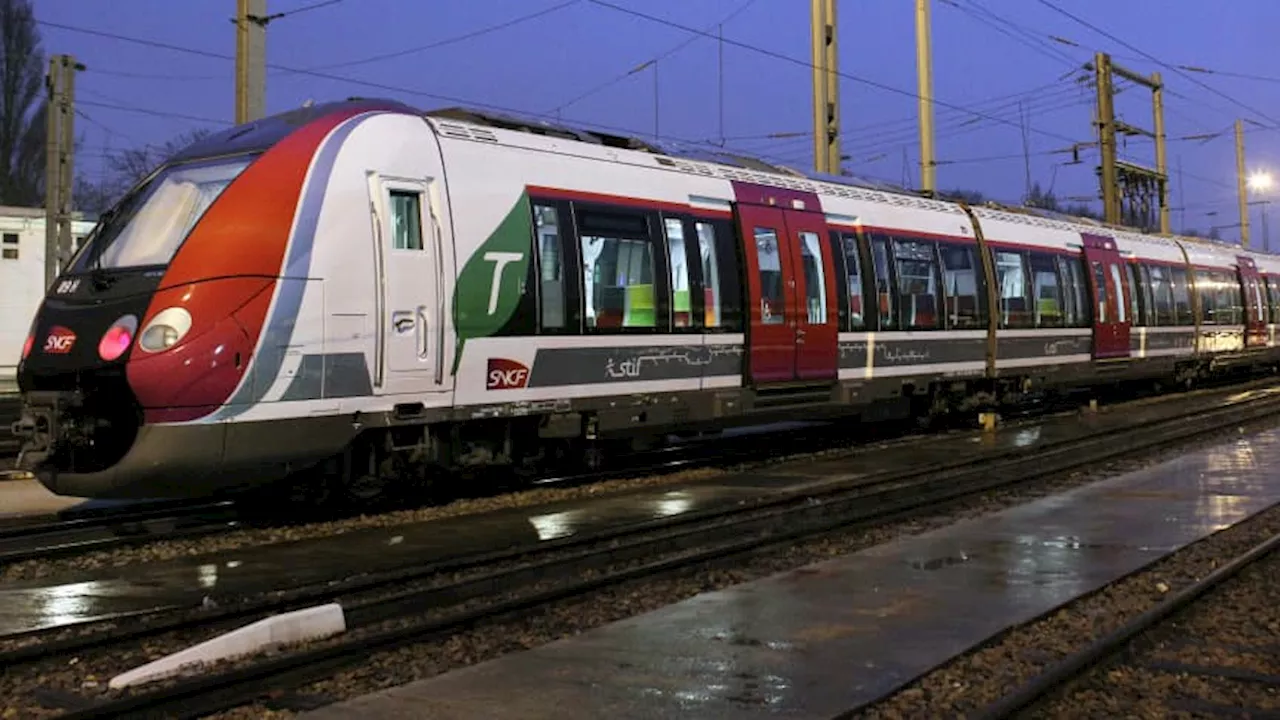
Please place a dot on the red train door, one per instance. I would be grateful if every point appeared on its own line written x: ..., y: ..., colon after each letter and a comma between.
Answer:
x: 791, y: 295
x: 1111, y: 321
x: 1255, y: 304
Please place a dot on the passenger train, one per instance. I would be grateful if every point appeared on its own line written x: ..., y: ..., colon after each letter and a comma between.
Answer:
x: 361, y: 289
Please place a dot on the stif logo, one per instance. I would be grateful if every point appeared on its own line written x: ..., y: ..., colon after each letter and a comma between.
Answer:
x: 59, y: 340
x: 505, y: 374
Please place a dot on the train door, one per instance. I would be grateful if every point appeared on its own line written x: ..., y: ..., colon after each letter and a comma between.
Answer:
x: 1255, y: 304
x: 411, y: 328
x: 791, y: 291
x: 1111, y: 321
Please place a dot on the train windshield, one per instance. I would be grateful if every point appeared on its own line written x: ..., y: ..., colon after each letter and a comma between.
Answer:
x: 149, y: 224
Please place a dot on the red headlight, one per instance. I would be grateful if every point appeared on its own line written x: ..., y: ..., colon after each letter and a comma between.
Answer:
x: 117, y: 339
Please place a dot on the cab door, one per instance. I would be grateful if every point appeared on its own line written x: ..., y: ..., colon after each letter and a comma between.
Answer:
x: 1111, y: 321
x: 791, y: 290
x: 1255, y: 304
x: 412, y: 314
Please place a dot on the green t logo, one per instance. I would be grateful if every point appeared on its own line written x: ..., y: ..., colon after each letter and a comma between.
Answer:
x: 500, y: 261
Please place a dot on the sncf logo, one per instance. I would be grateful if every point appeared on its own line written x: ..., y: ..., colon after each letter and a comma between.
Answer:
x: 59, y: 341
x: 505, y: 375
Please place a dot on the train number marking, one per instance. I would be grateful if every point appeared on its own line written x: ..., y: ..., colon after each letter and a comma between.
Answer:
x: 505, y: 374
x: 59, y: 341
x: 500, y: 261
x: 68, y: 286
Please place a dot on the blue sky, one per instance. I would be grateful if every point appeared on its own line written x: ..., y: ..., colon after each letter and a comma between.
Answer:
x: 993, y: 57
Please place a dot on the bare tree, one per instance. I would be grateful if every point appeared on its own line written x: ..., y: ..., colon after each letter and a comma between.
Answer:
x: 22, y: 109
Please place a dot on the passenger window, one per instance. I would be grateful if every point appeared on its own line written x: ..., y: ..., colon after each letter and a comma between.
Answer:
x: 722, y: 282
x: 617, y: 271
x: 550, y: 267
x: 853, y: 275
x: 406, y: 220
x: 1135, y: 307
x: 1122, y: 312
x: 1273, y: 290
x: 962, y: 286
x: 1207, y: 290
x: 681, y: 298
x: 1011, y: 277
x: 1256, y: 285
x: 1230, y: 307
x: 1100, y: 287
x: 1046, y: 290
x: 1075, y: 308
x: 1181, y: 288
x: 884, y: 284
x: 772, y: 306
x: 917, y: 284
x: 1162, y: 296
x: 815, y: 278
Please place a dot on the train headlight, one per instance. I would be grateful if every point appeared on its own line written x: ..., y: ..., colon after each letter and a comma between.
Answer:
x: 165, y: 330
x: 117, y: 338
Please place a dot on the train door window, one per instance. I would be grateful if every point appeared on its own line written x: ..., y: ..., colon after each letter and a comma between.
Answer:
x: 1100, y: 288
x: 1136, y: 316
x: 884, y: 283
x: 722, y: 306
x: 1162, y: 296
x: 962, y: 286
x: 1122, y: 311
x: 550, y: 267
x: 620, y: 289
x: 406, y: 220
x: 1046, y: 290
x: 1208, y: 298
x: 1011, y: 278
x: 768, y: 255
x: 1259, y: 297
x: 1075, y: 309
x: 1148, y: 299
x: 917, y: 284
x: 853, y: 278
x: 1181, y: 288
x: 815, y: 278
x: 682, y: 315
x: 1273, y: 291
x: 10, y: 246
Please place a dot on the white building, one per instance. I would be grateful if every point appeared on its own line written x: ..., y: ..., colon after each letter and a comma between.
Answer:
x: 22, y: 279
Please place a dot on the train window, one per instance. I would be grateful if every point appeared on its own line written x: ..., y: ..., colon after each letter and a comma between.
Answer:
x: 884, y: 283
x: 1011, y: 278
x: 963, y: 286
x: 1122, y: 311
x: 619, y: 281
x: 406, y: 220
x: 773, y: 310
x: 1273, y: 291
x: 853, y: 276
x: 1229, y: 298
x: 815, y: 278
x: 1046, y: 290
x: 1148, y: 298
x: 1135, y: 291
x: 712, y: 286
x: 1206, y: 288
x: 1100, y: 290
x: 1181, y: 286
x: 917, y: 284
x: 1161, y: 297
x: 681, y: 293
x: 550, y: 267
x: 1075, y: 309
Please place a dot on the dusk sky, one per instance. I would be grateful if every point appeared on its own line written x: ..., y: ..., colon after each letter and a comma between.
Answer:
x: 989, y: 55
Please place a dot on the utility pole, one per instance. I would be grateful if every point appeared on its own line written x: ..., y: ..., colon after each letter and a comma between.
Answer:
x: 59, y: 157
x: 1127, y: 186
x: 1242, y: 186
x: 826, y: 91
x: 251, y: 59
x: 924, y: 78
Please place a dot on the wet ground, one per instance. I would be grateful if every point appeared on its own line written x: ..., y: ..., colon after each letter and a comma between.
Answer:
x: 821, y: 640
x: 187, y: 581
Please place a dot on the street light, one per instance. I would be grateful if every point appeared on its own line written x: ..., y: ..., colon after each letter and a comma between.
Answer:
x: 1260, y: 181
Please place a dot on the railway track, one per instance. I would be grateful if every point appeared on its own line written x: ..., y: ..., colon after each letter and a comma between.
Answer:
x: 419, y: 604
x: 1217, y: 636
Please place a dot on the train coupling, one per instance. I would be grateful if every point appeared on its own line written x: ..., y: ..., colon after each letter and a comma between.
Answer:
x: 38, y: 427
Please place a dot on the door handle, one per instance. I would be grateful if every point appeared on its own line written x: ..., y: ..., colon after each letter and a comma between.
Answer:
x: 424, y: 335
